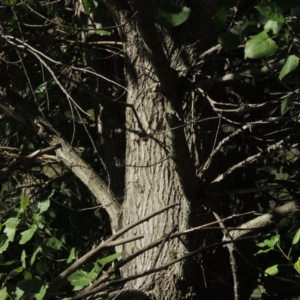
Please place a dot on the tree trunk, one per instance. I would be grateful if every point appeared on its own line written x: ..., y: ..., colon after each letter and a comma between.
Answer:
x: 151, y: 179
x: 161, y: 161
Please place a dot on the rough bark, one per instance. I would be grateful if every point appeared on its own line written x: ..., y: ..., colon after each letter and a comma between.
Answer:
x: 159, y: 167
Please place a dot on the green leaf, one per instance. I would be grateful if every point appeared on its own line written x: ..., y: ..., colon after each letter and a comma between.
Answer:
x: 297, y: 265
x: 41, y: 268
x: 290, y: 64
x: 7, y: 129
x: 39, y: 219
x: 271, y: 243
x: 39, y: 91
x: 264, y: 251
x: 271, y: 11
x: 23, y: 259
x: 263, y: 244
x: 79, y: 280
x: 33, y: 257
x: 43, y: 206
x: 173, y: 17
x: 12, y: 222
x: 31, y: 286
x: 3, y: 293
x: 220, y: 18
x: 15, y: 272
x: 3, y: 242
x: 272, y: 25
x: 261, y: 45
x: 273, y: 240
x: 40, y: 295
x: 272, y: 270
x: 27, y: 275
x: 285, y: 103
x: 102, y: 32
x: 296, y: 237
x: 89, y: 6
x: 19, y: 293
x: 53, y: 244
x: 109, y: 259
x: 10, y: 232
x: 27, y: 234
x: 228, y: 41
x: 71, y: 256
x: 24, y: 203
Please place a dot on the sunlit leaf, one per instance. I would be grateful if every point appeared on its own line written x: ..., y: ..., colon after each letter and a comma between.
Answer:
x: 296, y: 237
x: 261, y: 45
x: 297, y: 265
x: 109, y: 259
x: 71, y: 256
x: 33, y: 257
x: 40, y: 295
x: 102, y: 32
x: 3, y: 293
x: 290, y: 64
x: 11, y: 227
x: 27, y: 234
x: 272, y: 270
x: 274, y: 26
x: 19, y: 293
x: 23, y: 259
x: 12, y: 222
x: 89, y: 6
x: 24, y: 203
x: 79, y: 280
x: 43, y: 206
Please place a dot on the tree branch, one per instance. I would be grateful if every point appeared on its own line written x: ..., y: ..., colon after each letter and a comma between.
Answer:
x: 24, y: 160
x: 266, y: 220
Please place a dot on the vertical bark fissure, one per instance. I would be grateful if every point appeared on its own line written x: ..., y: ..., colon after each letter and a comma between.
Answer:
x: 173, y: 89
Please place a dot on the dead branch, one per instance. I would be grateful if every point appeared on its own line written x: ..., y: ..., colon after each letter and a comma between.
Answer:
x: 239, y: 76
x: 267, y: 220
x: 249, y: 160
x: 24, y: 160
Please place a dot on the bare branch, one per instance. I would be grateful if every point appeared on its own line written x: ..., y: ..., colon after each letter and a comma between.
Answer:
x: 238, y: 76
x: 248, y: 160
x: 24, y: 160
x: 267, y: 220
